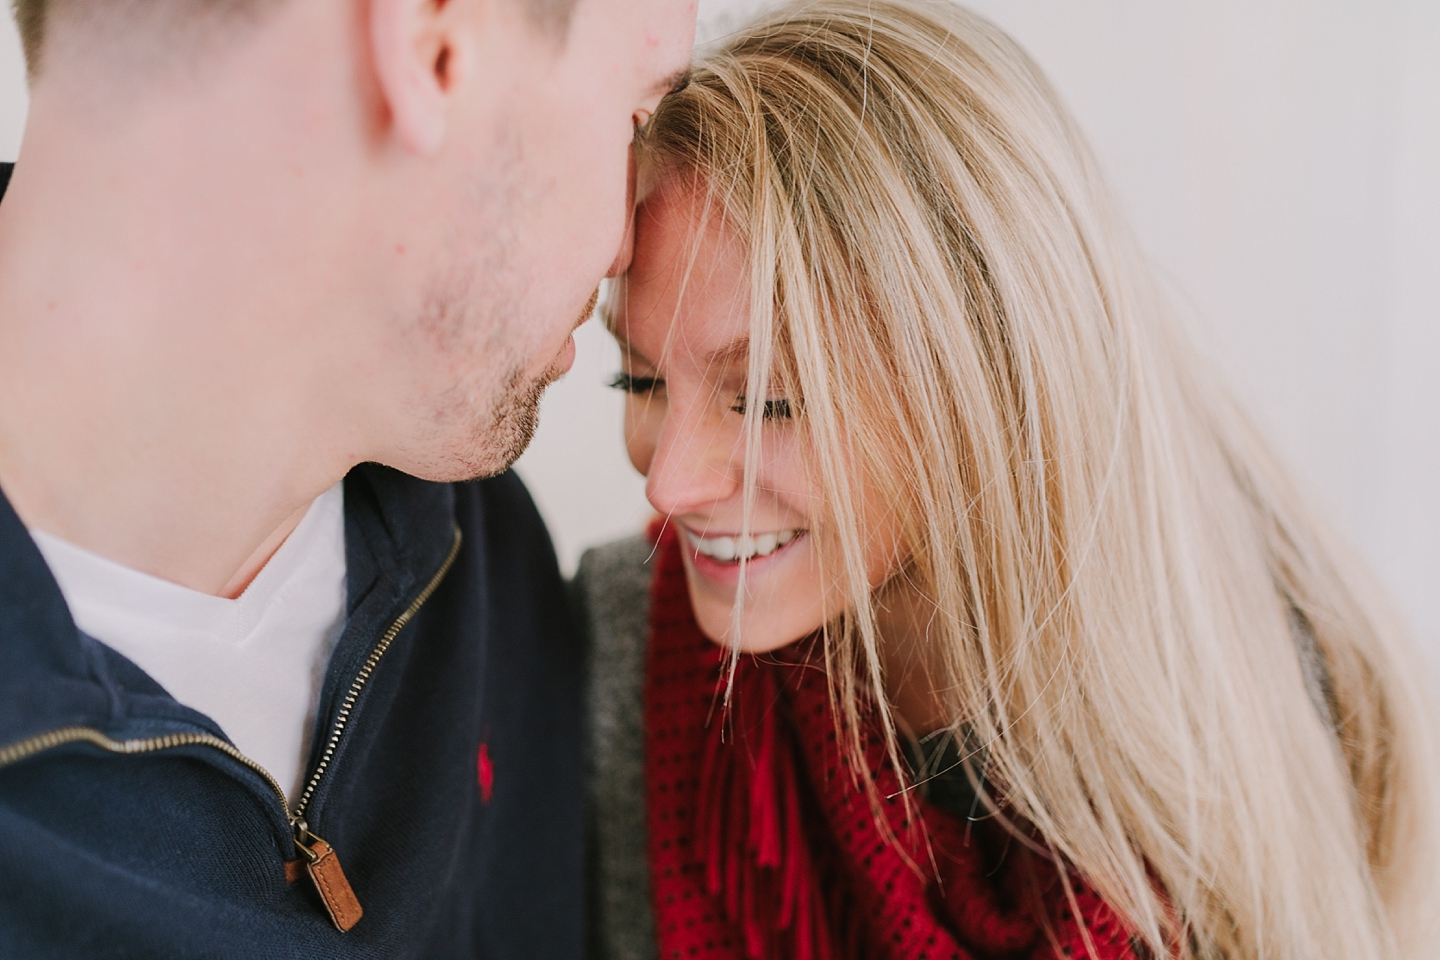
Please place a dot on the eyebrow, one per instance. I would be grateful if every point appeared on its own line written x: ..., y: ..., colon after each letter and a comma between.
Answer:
x: 736, y: 352
x: 627, y: 347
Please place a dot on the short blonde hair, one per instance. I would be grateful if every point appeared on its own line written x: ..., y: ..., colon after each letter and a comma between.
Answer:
x: 1171, y: 669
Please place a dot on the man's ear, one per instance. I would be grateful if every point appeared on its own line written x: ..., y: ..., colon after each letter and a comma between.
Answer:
x: 414, y: 45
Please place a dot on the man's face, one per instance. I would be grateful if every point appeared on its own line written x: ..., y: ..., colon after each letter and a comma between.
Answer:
x: 532, y: 207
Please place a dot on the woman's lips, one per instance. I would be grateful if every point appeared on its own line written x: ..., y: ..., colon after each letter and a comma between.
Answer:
x: 726, y: 548
x: 718, y: 558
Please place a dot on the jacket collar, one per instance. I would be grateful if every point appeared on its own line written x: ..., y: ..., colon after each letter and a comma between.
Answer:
x: 396, y: 527
x: 46, y: 675
x: 398, y: 531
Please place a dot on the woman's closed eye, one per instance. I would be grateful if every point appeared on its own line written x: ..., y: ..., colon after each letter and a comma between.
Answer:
x: 774, y: 409
x: 778, y: 409
x: 637, y: 385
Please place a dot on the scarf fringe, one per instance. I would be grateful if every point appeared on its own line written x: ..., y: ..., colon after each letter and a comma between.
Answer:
x: 759, y: 859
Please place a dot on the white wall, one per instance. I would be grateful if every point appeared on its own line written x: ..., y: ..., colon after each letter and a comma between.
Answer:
x: 1281, y: 161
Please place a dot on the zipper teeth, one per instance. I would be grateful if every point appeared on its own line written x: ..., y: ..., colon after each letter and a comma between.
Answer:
x: 56, y: 738
x: 358, y: 684
x: 49, y: 740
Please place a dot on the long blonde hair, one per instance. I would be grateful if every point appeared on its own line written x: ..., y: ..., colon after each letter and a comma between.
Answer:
x: 1170, y: 669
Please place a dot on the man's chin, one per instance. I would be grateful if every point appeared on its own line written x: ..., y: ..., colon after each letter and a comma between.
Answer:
x: 469, y: 444
x: 498, y: 439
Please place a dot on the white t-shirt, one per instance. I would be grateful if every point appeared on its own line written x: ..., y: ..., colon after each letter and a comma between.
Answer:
x: 254, y: 664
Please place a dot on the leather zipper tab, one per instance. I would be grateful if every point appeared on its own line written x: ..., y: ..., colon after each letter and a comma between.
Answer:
x: 329, y: 878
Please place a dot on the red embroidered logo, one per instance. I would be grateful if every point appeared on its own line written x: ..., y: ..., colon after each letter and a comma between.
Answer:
x: 487, y: 773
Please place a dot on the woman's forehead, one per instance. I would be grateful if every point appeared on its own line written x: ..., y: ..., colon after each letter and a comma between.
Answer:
x: 678, y: 232
x: 685, y: 293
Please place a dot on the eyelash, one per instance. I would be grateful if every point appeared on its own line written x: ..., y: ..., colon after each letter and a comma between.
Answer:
x: 636, y: 385
x: 774, y: 409
x: 642, y: 386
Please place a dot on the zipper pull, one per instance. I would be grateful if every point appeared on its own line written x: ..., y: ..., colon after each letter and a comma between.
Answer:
x: 323, y: 866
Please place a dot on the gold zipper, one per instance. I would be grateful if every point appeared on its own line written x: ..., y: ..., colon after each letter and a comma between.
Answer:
x: 58, y: 738
x: 321, y: 861
x: 363, y: 677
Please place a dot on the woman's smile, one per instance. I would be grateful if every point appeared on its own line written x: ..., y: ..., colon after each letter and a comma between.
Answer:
x: 719, y: 557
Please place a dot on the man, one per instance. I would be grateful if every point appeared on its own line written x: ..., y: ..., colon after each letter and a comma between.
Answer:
x: 276, y: 275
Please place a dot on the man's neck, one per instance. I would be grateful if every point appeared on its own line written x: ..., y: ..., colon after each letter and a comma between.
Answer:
x: 163, y: 398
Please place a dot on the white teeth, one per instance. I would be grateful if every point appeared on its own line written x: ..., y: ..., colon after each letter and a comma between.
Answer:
x: 721, y: 548
x: 730, y: 549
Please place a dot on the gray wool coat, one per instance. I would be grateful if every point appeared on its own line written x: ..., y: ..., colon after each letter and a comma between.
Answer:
x: 612, y: 593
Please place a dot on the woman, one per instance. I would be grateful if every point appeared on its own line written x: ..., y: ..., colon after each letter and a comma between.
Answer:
x: 979, y: 622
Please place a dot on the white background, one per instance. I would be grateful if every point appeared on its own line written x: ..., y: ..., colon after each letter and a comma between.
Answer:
x: 1281, y: 162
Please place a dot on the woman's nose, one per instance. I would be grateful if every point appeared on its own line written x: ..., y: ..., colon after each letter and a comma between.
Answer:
x: 696, y: 464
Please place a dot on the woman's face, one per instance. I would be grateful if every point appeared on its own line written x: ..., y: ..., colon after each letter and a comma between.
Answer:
x: 682, y: 317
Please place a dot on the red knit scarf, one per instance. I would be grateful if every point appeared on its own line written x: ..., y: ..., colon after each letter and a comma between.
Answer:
x: 761, y: 844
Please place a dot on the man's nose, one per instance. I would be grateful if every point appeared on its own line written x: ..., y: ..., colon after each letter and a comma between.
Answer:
x: 697, y: 464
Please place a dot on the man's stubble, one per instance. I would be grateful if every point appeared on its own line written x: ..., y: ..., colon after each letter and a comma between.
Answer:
x: 479, y: 437
x: 516, y: 415
x: 479, y: 319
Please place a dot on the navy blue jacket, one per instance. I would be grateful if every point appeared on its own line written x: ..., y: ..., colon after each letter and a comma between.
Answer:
x: 446, y: 772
